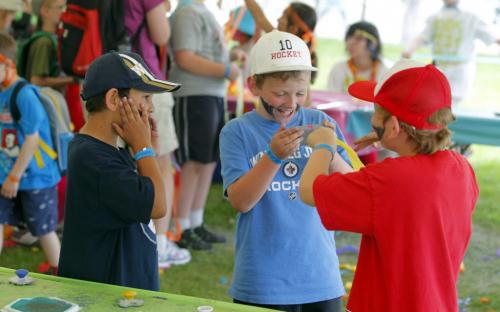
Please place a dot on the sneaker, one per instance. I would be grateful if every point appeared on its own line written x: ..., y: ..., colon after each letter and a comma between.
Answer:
x: 190, y: 240
x: 24, y: 237
x: 163, y: 262
x: 207, y: 236
x: 174, y: 255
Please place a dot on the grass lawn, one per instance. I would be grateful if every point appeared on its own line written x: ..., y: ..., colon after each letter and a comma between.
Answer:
x: 209, y: 273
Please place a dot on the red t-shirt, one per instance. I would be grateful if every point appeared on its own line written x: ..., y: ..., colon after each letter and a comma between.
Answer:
x: 415, y: 217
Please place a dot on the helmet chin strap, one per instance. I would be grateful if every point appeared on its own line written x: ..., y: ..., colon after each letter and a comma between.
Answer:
x: 270, y: 109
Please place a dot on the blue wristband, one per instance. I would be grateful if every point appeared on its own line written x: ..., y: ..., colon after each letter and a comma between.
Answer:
x: 328, y: 147
x: 272, y: 156
x: 145, y: 152
x: 227, y: 73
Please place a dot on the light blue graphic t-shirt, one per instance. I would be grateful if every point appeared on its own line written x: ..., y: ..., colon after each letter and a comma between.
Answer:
x: 284, y: 255
x: 33, y: 118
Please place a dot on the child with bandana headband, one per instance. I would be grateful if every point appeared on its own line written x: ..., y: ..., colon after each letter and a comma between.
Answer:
x: 364, y: 47
x: 298, y: 18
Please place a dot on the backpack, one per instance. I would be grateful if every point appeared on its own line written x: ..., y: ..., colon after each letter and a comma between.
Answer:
x: 60, y: 125
x: 24, y: 49
x: 89, y: 28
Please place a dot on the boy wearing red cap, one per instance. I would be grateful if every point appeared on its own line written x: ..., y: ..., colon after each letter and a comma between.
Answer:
x: 414, y: 211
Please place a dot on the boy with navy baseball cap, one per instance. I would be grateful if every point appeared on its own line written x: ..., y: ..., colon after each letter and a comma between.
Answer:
x: 111, y: 196
x: 414, y: 211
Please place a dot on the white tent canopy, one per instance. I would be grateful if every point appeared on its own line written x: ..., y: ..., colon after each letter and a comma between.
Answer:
x: 397, y: 20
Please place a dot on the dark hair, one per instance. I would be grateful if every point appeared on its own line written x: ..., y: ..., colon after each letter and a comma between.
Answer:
x: 8, y: 46
x: 374, y: 47
x: 97, y: 103
x: 308, y: 15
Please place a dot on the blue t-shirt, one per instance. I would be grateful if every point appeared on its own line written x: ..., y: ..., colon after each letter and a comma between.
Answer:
x: 33, y: 119
x: 284, y: 255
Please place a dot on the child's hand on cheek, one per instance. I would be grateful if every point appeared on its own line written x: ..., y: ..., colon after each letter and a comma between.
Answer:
x: 135, y: 129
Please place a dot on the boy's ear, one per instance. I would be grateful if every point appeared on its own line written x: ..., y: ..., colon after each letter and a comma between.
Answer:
x: 392, y: 127
x: 252, y: 86
x: 112, y: 99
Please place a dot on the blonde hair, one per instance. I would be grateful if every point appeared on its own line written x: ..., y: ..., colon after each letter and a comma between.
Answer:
x: 427, y: 141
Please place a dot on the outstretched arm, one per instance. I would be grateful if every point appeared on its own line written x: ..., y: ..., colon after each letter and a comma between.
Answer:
x: 259, y: 16
x: 414, y: 45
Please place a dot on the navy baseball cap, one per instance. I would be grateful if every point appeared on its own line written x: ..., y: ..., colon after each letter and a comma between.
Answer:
x: 122, y: 71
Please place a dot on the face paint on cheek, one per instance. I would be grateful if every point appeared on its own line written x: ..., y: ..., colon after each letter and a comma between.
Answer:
x: 379, y: 131
x: 2, y: 73
x: 269, y: 109
x: 7, y: 74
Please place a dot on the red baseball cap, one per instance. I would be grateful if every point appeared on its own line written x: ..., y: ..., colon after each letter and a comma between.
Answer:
x: 410, y: 90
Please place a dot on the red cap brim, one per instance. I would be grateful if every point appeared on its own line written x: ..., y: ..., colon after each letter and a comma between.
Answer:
x: 363, y: 90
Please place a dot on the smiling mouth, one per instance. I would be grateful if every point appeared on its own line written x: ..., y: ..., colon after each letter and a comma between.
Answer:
x: 285, y: 112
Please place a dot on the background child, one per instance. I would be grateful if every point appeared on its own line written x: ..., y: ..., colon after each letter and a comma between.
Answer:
x: 201, y: 65
x: 284, y: 259
x: 40, y: 64
x: 451, y: 32
x: 154, y: 33
x: 364, y: 48
x: 8, y: 10
x: 298, y: 19
x: 28, y: 190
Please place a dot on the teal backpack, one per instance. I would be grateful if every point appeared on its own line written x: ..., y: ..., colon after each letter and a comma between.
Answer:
x: 61, y: 129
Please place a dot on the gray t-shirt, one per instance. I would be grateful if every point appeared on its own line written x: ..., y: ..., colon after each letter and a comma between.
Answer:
x: 194, y: 28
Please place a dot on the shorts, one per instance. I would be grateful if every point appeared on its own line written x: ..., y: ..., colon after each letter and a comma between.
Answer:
x: 34, y: 209
x: 163, y: 104
x: 198, y: 122
x: 332, y: 305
